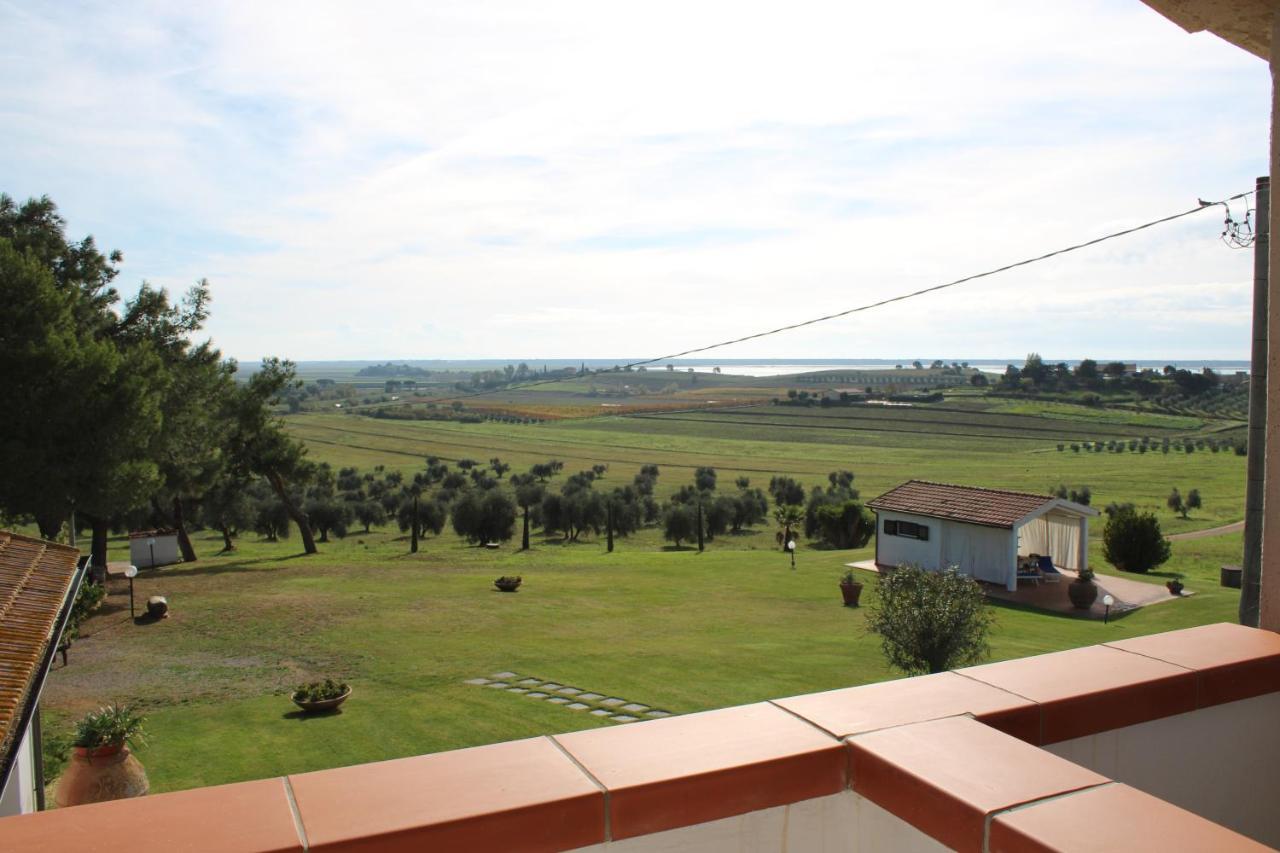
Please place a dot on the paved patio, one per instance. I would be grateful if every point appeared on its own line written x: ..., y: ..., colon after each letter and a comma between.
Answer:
x: 1129, y: 594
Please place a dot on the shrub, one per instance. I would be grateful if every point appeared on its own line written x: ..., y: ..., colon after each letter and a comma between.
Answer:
x: 87, y: 600
x: 319, y: 691
x: 930, y: 621
x: 110, y: 725
x: 1132, y: 541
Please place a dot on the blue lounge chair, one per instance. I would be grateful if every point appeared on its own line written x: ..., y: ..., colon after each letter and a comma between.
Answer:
x: 1048, y: 572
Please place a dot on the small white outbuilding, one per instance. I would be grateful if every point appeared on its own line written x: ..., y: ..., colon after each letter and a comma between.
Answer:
x: 981, y: 532
x: 151, y: 548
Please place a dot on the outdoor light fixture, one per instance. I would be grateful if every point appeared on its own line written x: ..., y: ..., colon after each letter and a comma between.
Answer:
x: 131, y: 572
x: 1107, y: 601
x: 791, y: 546
x: 151, y: 544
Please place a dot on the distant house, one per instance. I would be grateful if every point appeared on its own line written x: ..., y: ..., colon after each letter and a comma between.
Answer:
x: 38, y: 582
x: 981, y: 532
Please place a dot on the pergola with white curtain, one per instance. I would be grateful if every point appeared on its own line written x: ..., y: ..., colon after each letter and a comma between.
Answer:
x: 980, y: 532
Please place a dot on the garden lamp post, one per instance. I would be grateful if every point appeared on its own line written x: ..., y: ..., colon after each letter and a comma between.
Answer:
x: 791, y: 546
x: 1107, y: 601
x: 131, y: 572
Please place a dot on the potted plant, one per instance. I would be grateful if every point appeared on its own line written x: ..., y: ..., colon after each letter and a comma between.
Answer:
x: 320, y: 695
x: 508, y: 583
x: 850, y: 589
x: 1175, y: 586
x: 1083, y: 591
x: 102, y: 766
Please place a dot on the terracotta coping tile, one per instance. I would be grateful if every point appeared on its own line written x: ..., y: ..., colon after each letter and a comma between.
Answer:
x: 695, y: 768
x: 248, y: 817
x: 1092, y: 689
x: 1113, y: 817
x: 523, y: 793
x: 855, y: 710
x: 946, y: 776
x: 1232, y: 662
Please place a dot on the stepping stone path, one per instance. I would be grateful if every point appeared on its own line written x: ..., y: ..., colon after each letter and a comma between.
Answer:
x: 612, y: 708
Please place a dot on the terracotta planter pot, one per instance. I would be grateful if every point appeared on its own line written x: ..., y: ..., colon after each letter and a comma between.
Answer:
x: 851, y: 592
x: 1175, y: 587
x: 97, y: 775
x: 508, y: 586
x: 1082, y: 594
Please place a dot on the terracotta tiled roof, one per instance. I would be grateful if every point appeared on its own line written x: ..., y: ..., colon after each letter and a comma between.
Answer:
x: 35, y: 578
x: 990, y: 507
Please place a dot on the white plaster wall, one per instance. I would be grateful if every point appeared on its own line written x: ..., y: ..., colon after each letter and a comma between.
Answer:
x: 902, y: 549
x: 19, y: 796
x: 1223, y: 763
x: 166, y: 549
x: 840, y: 823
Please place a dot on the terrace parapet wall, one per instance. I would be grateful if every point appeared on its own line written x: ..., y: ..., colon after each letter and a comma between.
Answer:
x: 1140, y: 744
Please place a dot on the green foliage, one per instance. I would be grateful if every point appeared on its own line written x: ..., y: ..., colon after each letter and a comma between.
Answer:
x: 481, y: 517
x: 319, y: 691
x: 847, y: 524
x: 88, y: 599
x: 55, y: 749
x: 1132, y: 541
x: 111, y: 725
x: 930, y: 621
x: 679, y: 523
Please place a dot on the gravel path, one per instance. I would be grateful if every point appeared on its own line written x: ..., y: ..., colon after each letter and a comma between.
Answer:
x: 1212, y: 531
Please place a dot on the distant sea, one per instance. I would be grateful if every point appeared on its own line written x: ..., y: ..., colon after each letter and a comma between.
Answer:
x: 750, y: 367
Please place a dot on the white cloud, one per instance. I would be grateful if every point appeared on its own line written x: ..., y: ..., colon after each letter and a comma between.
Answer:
x: 581, y: 179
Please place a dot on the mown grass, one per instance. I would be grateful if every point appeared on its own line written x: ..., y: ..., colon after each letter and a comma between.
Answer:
x: 676, y: 630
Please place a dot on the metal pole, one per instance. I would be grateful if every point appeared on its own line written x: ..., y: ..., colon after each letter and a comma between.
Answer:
x: 1250, y: 581
x: 132, y: 615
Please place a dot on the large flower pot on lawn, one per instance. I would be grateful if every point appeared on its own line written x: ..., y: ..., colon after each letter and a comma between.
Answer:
x: 851, y: 592
x: 96, y: 775
x: 1082, y: 594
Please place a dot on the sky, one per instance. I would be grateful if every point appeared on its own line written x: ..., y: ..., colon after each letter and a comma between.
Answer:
x: 399, y: 180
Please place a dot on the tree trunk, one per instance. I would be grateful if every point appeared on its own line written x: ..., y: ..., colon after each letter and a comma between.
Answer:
x: 700, y: 526
x: 295, y: 512
x: 50, y: 526
x: 524, y: 539
x: 609, y: 523
x: 413, y: 527
x: 180, y: 523
x: 227, y: 544
x: 98, y: 550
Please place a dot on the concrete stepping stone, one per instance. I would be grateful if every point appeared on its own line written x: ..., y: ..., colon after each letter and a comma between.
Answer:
x: 577, y: 706
x: 498, y: 685
x: 569, y: 691
x: 613, y: 703
x: 531, y: 681
x: 476, y: 681
x: 656, y: 714
x: 590, y: 697
x: 558, y: 700
x: 502, y: 675
x: 517, y: 690
x: 623, y: 718
x: 635, y: 707
x: 536, y: 694
x: 551, y: 685
x: 600, y: 712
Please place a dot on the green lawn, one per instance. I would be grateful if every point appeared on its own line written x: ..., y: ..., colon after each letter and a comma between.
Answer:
x: 676, y: 630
